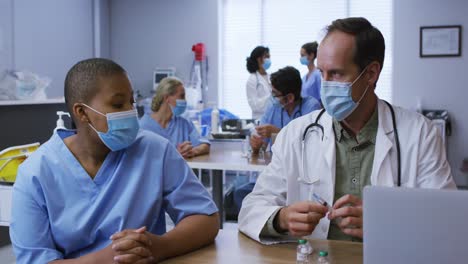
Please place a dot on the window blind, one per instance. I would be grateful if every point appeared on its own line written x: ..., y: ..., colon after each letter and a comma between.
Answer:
x: 284, y: 26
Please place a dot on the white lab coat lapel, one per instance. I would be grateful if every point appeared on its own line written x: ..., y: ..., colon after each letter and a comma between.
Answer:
x: 328, y: 145
x: 382, y: 169
x: 326, y: 170
x: 320, y: 154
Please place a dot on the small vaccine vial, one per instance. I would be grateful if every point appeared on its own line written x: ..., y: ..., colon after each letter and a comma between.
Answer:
x: 310, y: 249
x: 323, y: 257
x: 302, y: 255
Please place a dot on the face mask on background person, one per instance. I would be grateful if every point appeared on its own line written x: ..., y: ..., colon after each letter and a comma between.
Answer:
x: 180, y: 107
x: 304, y: 60
x: 122, y: 129
x: 336, y: 97
x: 275, y: 101
x: 266, y: 63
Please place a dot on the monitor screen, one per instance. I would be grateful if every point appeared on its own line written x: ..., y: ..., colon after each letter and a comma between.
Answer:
x: 159, y: 76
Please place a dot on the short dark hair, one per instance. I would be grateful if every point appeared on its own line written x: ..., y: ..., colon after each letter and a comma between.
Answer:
x: 252, y: 64
x: 310, y: 47
x: 287, y: 80
x: 81, y: 80
x: 369, y: 41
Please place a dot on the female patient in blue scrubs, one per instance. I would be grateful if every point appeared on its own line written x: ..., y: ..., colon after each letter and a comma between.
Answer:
x: 168, y: 105
x: 98, y: 194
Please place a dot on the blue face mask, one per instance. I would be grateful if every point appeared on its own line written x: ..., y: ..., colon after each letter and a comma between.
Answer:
x: 122, y: 129
x: 180, y: 107
x: 304, y: 60
x: 266, y: 63
x: 336, y: 98
x: 275, y: 101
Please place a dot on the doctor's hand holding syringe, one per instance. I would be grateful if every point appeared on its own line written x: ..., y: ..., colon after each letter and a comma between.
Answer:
x: 301, y: 218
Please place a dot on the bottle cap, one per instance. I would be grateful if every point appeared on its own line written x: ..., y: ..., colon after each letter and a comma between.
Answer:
x: 302, y: 241
x: 323, y: 253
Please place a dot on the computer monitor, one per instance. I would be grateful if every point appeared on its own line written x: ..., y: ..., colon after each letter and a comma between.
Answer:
x: 160, y: 74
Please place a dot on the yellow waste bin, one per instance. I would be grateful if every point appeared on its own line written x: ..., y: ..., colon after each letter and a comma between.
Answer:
x: 11, y: 158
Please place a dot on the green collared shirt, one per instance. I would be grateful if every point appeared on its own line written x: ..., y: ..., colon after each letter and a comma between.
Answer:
x: 354, y: 159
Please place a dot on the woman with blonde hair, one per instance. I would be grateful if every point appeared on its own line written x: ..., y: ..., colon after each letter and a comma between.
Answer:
x: 165, y: 119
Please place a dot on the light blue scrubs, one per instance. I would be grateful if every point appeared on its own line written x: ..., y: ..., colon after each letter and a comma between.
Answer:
x: 178, y: 130
x: 277, y: 116
x: 60, y: 212
x: 311, y: 85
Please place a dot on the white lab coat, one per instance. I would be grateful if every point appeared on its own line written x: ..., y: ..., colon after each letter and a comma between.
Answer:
x: 423, y: 165
x: 258, y: 90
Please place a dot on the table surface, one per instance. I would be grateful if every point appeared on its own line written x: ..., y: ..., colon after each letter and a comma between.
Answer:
x: 232, y: 246
x: 228, y: 156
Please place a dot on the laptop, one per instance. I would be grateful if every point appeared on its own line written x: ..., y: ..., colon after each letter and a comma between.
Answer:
x: 403, y: 225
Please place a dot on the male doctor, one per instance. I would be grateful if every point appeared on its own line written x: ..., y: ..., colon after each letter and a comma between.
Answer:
x: 354, y: 144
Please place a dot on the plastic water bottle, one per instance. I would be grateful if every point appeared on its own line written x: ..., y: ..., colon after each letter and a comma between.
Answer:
x: 246, y: 147
x: 323, y: 257
x: 214, y: 119
x: 302, y: 256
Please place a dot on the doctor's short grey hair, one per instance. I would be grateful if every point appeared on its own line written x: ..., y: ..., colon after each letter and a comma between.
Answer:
x: 167, y: 86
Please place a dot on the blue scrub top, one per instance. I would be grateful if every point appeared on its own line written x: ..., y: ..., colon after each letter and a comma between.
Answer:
x: 311, y: 85
x: 177, y: 131
x: 60, y: 212
x: 277, y: 116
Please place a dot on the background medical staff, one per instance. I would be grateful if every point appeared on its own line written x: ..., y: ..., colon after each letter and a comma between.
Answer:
x: 311, y: 80
x: 286, y: 105
x: 168, y: 105
x: 99, y: 194
x: 353, y: 144
x: 258, y: 87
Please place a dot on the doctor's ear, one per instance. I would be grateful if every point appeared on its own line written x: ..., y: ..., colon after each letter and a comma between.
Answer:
x: 373, y: 70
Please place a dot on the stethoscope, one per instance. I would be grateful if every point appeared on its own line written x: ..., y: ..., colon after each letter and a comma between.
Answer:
x: 310, y: 128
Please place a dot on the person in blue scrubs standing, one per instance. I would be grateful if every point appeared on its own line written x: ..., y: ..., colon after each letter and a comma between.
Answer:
x: 285, y: 105
x: 310, y: 81
x: 99, y: 194
x: 168, y: 105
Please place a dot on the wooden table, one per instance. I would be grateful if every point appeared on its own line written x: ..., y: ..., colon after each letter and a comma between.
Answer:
x: 234, y: 247
x: 226, y: 155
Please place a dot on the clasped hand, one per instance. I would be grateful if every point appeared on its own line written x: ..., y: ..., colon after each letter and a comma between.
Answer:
x: 132, y: 246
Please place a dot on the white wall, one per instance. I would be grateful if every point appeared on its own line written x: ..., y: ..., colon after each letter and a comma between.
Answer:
x: 6, y: 43
x: 147, y: 34
x: 52, y: 35
x: 440, y: 83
